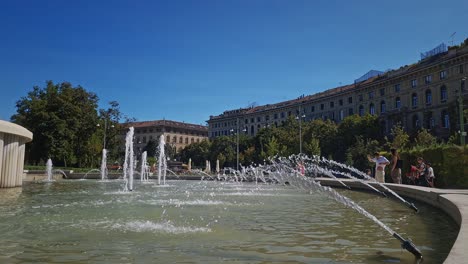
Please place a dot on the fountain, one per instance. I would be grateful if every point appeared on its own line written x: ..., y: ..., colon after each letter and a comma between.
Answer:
x: 129, y: 160
x: 104, y: 171
x: 162, y: 163
x: 197, y: 221
x: 144, y: 170
x: 49, y: 170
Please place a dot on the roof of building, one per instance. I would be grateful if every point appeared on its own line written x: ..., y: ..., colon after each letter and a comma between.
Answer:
x: 366, y: 80
x: 166, y: 123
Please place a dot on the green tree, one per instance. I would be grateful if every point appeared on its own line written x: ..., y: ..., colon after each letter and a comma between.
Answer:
x: 197, y: 152
x: 399, y: 138
x: 425, y: 139
x: 63, y: 118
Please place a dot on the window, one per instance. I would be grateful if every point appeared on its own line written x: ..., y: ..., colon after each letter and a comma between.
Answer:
x: 332, y: 104
x: 428, y: 79
x: 428, y: 97
x: 198, y: 140
x: 168, y: 139
x: 340, y: 102
x: 371, y: 95
x: 350, y: 100
x: 372, y: 109
x: 259, y: 119
x: 443, y: 93
x: 282, y: 114
x: 397, y: 103
x: 191, y: 140
x: 382, y: 92
x: 174, y: 139
x: 275, y: 116
x: 312, y: 108
x: 415, y: 121
x: 350, y: 111
x: 144, y: 139
x: 361, y: 110
x: 246, y: 121
x: 461, y: 68
x: 414, y: 100
x: 181, y: 140
x: 341, y: 114
x: 322, y: 106
x: 186, y: 140
x: 267, y: 118
x: 397, y: 88
x: 445, y: 119
x: 361, y: 98
x: 414, y: 83
x: 252, y: 120
x: 443, y: 75
x: 382, y: 107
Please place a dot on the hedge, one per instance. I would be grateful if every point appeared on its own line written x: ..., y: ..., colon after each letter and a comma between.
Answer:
x: 450, y: 164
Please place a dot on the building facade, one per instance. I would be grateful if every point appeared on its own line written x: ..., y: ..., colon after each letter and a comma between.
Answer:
x: 421, y: 95
x: 177, y: 134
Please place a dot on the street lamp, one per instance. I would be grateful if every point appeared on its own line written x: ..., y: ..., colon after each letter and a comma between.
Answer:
x: 300, y: 131
x: 105, y: 131
x: 237, y: 143
x: 460, y: 110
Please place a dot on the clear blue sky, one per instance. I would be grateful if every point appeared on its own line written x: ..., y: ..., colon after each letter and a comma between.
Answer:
x: 187, y: 60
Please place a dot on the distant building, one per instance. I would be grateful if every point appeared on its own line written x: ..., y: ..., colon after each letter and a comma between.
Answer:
x: 423, y: 94
x: 176, y: 134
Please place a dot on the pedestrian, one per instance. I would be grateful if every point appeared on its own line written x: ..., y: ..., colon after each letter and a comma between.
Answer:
x: 421, y: 167
x: 397, y: 165
x: 380, y: 163
x: 430, y: 174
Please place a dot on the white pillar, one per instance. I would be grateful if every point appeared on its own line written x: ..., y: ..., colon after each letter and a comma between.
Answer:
x: 12, y: 149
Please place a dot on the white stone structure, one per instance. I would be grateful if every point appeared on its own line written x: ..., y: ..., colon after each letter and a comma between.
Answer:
x: 12, y: 147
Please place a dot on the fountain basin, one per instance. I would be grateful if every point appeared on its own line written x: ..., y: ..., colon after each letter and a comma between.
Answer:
x: 451, y: 201
x: 210, y: 222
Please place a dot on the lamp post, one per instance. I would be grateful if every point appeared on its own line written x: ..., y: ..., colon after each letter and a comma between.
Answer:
x: 460, y: 110
x: 237, y: 143
x: 105, y: 131
x: 300, y: 117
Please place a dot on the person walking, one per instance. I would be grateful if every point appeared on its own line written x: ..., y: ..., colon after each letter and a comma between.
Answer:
x: 380, y: 163
x: 430, y: 174
x: 397, y: 164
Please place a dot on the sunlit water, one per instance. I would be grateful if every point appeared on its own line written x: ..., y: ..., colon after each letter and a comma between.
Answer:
x: 208, y: 222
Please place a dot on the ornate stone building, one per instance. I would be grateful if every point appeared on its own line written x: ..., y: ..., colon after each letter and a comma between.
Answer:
x: 176, y: 134
x: 423, y: 94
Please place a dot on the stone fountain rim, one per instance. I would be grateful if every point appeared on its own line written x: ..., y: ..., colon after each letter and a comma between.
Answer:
x: 14, y: 129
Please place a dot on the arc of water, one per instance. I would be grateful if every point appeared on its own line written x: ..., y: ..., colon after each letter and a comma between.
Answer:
x: 310, y: 184
x: 410, y: 205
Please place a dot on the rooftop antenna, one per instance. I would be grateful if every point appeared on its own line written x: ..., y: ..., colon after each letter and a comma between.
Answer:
x: 451, y: 37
